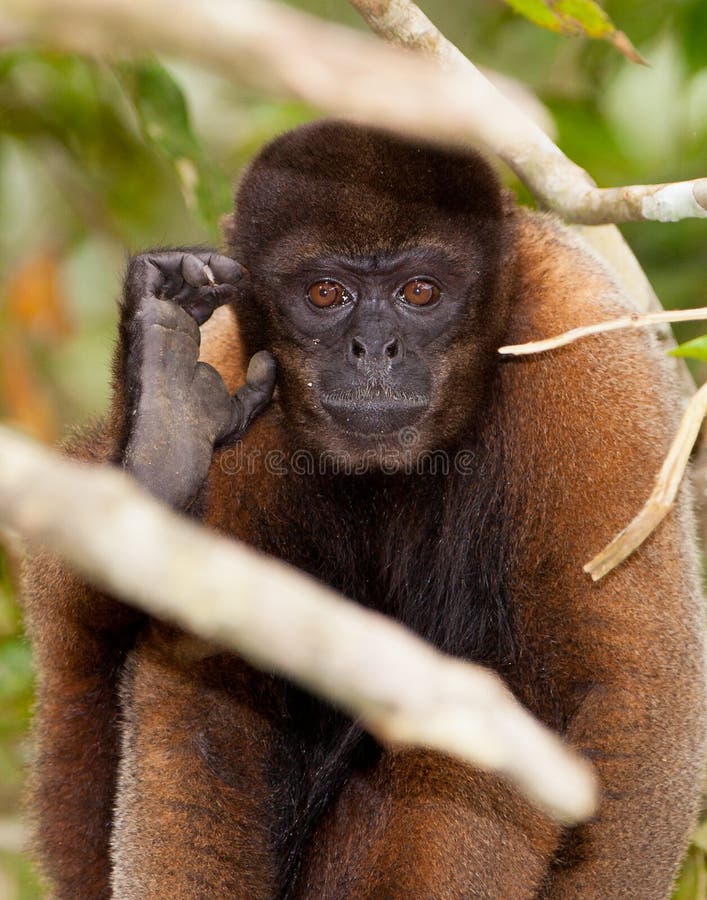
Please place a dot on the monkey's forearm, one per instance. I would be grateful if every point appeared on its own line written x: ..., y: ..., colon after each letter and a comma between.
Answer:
x: 646, y: 752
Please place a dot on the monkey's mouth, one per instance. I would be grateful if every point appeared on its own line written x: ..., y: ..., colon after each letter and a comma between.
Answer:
x: 374, y: 398
x: 374, y: 409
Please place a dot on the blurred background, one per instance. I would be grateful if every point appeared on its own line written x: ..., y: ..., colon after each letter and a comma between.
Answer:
x: 97, y: 161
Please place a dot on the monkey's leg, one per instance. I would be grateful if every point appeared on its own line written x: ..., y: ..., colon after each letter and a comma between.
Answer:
x: 421, y: 826
x: 625, y: 660
x: 79, y: 639
x: 193, y: 815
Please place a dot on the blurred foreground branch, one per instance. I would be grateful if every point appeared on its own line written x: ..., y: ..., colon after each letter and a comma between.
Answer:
x: 343, y: 72
x: 402, y: 689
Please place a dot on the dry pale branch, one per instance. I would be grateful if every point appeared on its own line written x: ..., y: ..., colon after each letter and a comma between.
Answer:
x: 553, y: 178
x: 668, y: 481
x: 272, y: 47
x: 556, y: 181
x: 346, y: 73
x: 661, y: 500
x: 403, y: 690
x: 632, y: 321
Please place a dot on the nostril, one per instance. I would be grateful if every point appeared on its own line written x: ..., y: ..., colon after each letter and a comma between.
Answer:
x: 357, y: 348
x: 392, y: 348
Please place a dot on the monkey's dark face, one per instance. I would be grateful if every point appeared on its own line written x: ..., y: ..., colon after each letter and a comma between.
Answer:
x: 369, y: 323
x: 377, y: 282
x: 365, y: 344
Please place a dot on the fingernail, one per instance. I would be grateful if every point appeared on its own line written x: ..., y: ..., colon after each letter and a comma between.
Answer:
x: 209, y: 274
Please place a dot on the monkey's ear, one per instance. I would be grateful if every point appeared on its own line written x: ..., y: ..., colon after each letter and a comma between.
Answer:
x: 228, y: 228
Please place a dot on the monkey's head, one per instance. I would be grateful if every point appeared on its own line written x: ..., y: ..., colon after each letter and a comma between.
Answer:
x: 379, y: 279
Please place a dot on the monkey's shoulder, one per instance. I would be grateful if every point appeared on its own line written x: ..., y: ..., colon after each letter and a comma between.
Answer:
x: 563, y: 284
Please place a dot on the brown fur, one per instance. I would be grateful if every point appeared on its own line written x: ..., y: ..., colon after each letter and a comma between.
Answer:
x: 208, y: 761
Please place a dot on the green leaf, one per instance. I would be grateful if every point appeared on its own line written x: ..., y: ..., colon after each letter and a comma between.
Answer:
x: 694, y: 349
x: 163, y: 117
x: 576, y: 17
x: 699, y: 838
x: 692, y: 879
x: 15, y: 669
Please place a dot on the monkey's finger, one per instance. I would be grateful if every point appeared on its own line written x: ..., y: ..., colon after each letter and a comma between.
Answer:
x: 262, y: 370
x: 251, y: 399
x: 225, y: 270
x: 146, y: 278
x: 201, y: 302
x: 164, y: 272
x: 200, y: 269
x: 195, y: 271
x: 205, y: 289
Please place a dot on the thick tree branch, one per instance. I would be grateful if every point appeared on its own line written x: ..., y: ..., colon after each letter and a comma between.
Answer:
x: 402, y: 689
x: 346, y: 73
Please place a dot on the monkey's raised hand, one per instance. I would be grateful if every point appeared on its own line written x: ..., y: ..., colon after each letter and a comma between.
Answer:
x: 177, y: 409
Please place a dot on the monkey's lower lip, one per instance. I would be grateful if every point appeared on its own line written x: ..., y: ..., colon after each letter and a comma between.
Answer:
x: 374, y: 413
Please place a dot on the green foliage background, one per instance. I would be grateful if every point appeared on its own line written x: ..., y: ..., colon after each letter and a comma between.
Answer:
x: 97, y: 161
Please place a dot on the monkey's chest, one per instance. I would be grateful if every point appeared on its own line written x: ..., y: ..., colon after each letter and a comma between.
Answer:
x: 449, y: 593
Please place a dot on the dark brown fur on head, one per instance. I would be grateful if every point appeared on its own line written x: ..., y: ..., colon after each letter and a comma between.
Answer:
x: 333, y: 189
x: 361, y: 190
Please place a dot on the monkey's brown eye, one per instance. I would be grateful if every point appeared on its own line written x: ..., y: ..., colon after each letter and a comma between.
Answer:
x: 419, y: 292
x: 326, y: 293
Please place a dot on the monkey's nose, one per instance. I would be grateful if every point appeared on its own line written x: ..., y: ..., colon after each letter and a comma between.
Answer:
x: 375, y: 349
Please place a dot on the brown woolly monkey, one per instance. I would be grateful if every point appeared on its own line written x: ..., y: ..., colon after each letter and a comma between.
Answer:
x: 400, y: 460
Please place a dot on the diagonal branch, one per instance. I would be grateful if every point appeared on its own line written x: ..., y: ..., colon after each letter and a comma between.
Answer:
x: 557, y: 182
x: 403, y: 690
x: 340, y: 71
x: 663, y: 496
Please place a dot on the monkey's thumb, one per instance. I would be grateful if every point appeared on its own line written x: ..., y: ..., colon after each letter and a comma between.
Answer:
x: 262, y: 370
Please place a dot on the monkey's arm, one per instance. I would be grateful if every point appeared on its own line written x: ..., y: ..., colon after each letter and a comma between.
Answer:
x: 168, y: 412
x: 634, y: 652
x: 79, y: 642
x: 617, y: 665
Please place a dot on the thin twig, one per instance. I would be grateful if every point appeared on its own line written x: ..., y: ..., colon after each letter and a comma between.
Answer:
x: 661, y: 500
x: 402, y: 689
x: 632, y: 321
